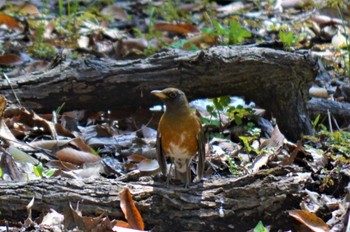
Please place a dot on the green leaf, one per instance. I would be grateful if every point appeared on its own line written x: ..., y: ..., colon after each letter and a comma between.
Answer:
x: 1, y: 173
x: 260, y: 227
x: 238, y: 120
x: 211, y: 111
x: 219, y: 28
x: 237, y: 33
x: 286, y: 38
x: 178, y: 44
x: 246, y: 141
x: 38, y: 170
x: 315, y: 122
x: 224, y: 100
x: 211, y: 122
x: 49, y: 172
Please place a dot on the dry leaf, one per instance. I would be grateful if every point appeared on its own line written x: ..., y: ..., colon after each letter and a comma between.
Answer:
x: 25, y: 8
x: 75, y: 218
x: 60, y: 165
x: 9, y: 21
x: 3, y: 103
x: 179, y: 28
x: 63, y: 131
x: 292, y: 155
x: 49, y: 144
x: 10, y: 168
x: 149, y: 166
x: 310, y: 220
x: 76, y: 157
x: 200, y: 41
x: 10, y: 59
x: 51, y: 219
x: 5, y: 133
x: 135, y: 158
x: 276, y: 140
x: 123, y: 229
x: 130, y: 211
x: 31, y: 119
x: 81, y: 145
x: 114, y: 12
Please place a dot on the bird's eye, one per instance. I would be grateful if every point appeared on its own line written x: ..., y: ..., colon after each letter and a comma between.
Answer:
x: 172, y: 95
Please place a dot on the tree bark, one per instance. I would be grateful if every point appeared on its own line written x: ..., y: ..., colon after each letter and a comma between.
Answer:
x: 274, y: 79
x: 224, y: 204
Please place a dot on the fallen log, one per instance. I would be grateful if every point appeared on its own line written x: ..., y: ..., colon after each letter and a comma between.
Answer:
x: 222, y: 204
x: 340, y: 110
x: 276, y: 80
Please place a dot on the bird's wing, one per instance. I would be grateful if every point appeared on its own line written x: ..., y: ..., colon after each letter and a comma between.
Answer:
x: 160, y: 155
x: 201, y: 154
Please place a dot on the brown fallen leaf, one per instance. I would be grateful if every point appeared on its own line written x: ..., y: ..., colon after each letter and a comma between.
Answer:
x: 148, y: 167
x: 10, y: 168
x: 81, y: 145
x: 135, y: 158
x: 130, y: 211
x: 310, y: 220
x: 178, y: 28
x: 24, y: 8
x: 3, y: 103
x: 114, y: 12
x: 10, y: 59
x: 74, y: 218
x: 276, y: 140
x: 9, y: 21
x: 76, y: 157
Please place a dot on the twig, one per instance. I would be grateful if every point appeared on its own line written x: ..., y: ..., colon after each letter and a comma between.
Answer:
x: 13, y: 91
x: 329, y: 121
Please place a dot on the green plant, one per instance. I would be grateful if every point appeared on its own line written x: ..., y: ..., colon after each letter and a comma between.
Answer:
x: 287, y: 38
x: 327, y: 180
x: 233, y: 33
x: 246, y: 140
x: 237, y: 113
x: 40, y: 49
x: 1, y: 173
x: 233, y: 167
x: 39, y: 171
x: 315, y: 122
x: 338, y: 5
x: 59, y: 109
x: 220, y: 105
x: 260, y: 227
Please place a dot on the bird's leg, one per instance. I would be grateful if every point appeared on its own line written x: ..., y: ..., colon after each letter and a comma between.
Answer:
x: 188, y: 176
x: 168, y: 176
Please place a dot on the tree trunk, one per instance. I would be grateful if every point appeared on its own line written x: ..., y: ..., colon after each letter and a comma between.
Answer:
x: 274, y: 79
x: 224, y: 204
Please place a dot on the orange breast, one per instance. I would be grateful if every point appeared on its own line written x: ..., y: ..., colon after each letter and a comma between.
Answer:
x: 179, y: 137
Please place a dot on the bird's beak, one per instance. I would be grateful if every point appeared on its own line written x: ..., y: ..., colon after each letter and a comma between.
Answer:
x: 159, y: 94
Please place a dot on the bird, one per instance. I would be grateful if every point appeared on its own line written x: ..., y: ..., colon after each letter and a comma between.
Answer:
x: 179, y: 136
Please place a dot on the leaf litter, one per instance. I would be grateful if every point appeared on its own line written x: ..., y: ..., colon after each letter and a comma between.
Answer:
x: 83, y: 145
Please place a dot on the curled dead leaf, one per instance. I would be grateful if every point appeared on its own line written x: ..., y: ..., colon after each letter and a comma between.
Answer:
x: 310, y: 220
x: 130, y: 211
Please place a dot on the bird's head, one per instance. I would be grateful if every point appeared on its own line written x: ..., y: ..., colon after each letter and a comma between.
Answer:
x: 174, y: 99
